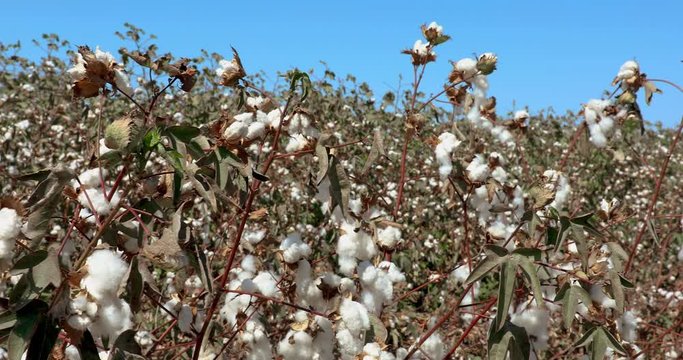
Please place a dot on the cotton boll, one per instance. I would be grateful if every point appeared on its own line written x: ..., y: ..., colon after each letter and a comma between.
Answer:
x: 249, y: 264
x: 447, y: 143
x: 521, y: 115
x: 307, y: 292
x: 255, y: 130
x: 113, y: 318
x: 91, y: 178
x: 70, y: 353
x: 434, y: 347
x: 499, y: 174
x: 10, y: 227
x: 535, y: 321
x: 389, y: 237
x: 467, y: 66
x: 349, y: 345
x: 293, y: 249
x: 606, y: 124
x: 267, y: 284
x: 296, y: 142
x: 354, y: 315
x: 236, y: 131
x: 296, y: 345
x: 78, y: 71
x: 478, y: 169
x: 599, y: 297
x: 96, y: 199
x: 323, y: 343
x: 628, y: 70
x: 421, y: 48
x: 596, y: 136
x: 680, y: 254
x: 144, y: 339
x: 106, y: 269
x: 627, y: 325
x: 122, y: 82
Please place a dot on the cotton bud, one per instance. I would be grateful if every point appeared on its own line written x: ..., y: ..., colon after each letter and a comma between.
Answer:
x: 627, y: 97
x: 486, y: 64
x: 121, y: 133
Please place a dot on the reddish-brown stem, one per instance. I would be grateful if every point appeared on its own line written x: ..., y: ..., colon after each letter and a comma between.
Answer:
x: 117, y: 183
x: 253, y: 190
x: 161, y: 338
x: 279, y: 301
x: 572, y: 145
x: 653, y: 200
x: 474, y: 322
x: 442, y: 320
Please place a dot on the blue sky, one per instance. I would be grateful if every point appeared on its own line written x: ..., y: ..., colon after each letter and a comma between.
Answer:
x: 551, y: 53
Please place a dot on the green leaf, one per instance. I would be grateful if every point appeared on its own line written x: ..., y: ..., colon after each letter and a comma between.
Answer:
x: 510, y: 338
x: 44, y: 201
x: 562, y: 233
x: 134, y: 285
x: 152, y: 139
x: 340, y: 186
x: 87, y: 347
x: 30, y: 260
x: 530, y: 270
x: 570, y: 295
x: 376, y: 150
x: 650, y: 89
x: 40, y: 346
x: 301, y: 79
x: 323, y: 160
x: 599, y: 345
x: 505, y: 289
x: 533, y: 253
x: 126, y: 343
x: 653, y: 231
x: 27, y: 322
x: 617, y: 290
x: 183, y: 133
x: 626, y: 282
x: 48, y: 271
x: 586, y: 338
x: 613, y: 342
x: 617, y: 255
x: 490, y: 262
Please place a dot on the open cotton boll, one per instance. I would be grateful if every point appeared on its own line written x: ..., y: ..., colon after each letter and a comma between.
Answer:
x: 521, y: 114
x: 598, y: 295
x: 389, y: 237
x: 353, y: 244
x: 606, y: 124
x: 323, y: 343
x: 10, y: 227
x: 106, y: 269
x: 478, y: 168
x: 96, y: 199
x: 266, y: 283
x: 680, y: 254
x: 114, y: 317
x: 628, y: 70
x: 447, y: 143
x: 236, y: 131
x: 354, y: 315
x: 254, y: 335
x: 122, y: 82
x: 296, y: 142
x: 307, y: 291
x: 70, y: 353
x: 296, y: 345
x: 434, y: 346
x: 627, y: 325
x: 596, y: 136
x: 293, y: 249
x: 349, y: 344
x: 91, y: 177
x: 255, y: 130
x: 467, y: 66
x: 420, y: 48
x: 535, y: 321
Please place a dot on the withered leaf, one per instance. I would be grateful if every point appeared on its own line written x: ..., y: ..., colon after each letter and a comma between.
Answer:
x: 165, y: 251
